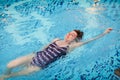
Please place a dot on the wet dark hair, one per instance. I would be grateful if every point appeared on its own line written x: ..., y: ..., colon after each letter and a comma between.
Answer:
x: 79, y: 34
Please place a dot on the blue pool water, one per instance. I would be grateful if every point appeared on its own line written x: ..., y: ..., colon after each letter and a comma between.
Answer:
x: 28, y: 25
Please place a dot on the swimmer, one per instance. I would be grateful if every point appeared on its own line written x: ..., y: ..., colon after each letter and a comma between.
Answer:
x: 95, y: 9
x: 74, y: 2
x: 96, y: 3
x: 56, y: 49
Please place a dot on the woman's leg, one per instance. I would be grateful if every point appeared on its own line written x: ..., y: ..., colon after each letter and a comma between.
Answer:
x: 25, y: 71
x: 18, y: 62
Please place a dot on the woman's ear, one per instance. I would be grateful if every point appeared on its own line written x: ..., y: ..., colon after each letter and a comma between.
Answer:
x: 77, y: 40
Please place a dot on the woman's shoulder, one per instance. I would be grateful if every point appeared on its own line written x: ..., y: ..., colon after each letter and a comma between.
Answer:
x: 56, y: 39
x: 75, y: 44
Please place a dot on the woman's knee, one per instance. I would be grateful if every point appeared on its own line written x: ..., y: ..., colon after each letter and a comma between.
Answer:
x: 12, y: 64
x: 20, y: 61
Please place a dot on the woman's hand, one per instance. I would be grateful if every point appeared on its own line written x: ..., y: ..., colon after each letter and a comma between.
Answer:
x: 108, y: 30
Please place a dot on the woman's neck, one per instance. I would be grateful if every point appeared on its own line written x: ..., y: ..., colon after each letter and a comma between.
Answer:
x: 66, y: 41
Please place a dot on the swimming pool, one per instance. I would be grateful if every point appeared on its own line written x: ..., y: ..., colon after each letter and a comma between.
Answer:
x: 27, y: 25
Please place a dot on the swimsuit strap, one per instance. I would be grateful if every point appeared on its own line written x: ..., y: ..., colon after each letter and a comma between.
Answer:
x: 59, y: 40
x: 56, y: 40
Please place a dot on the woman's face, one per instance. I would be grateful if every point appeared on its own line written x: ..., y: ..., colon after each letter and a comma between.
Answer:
x: 71, y: 36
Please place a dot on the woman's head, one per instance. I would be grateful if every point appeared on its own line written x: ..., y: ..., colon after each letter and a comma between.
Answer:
x: 79, y: 34
x: 74, y: 35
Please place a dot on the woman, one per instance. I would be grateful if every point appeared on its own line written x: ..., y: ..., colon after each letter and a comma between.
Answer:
x: 51, y: 53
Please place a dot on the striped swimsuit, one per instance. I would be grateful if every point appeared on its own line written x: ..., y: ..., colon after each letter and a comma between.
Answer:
x: 48, y: 55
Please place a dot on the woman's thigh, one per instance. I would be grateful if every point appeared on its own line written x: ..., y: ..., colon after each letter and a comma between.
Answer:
x: 21, y: 61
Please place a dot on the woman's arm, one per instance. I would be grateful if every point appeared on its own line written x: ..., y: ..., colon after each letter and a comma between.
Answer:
x: 97, y: 37
x: 87, y: 41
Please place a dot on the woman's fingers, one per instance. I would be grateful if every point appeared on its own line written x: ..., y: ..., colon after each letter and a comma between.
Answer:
x: 110, y: 29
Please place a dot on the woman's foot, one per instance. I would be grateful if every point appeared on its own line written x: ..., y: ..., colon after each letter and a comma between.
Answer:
x: 3, y: 77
